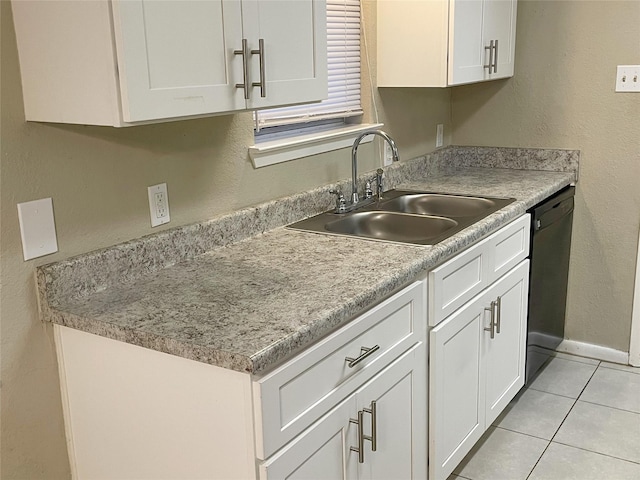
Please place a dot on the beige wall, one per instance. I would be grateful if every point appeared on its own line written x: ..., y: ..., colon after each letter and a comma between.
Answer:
x: 563, y: 96
x: 97, y: 177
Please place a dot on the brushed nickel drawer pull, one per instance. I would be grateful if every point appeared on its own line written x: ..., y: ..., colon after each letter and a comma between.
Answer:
x: 373, y: 438
x: 492, y: 323
x: 360, y: 448
x: 364, y: 353
x: 499, y: 312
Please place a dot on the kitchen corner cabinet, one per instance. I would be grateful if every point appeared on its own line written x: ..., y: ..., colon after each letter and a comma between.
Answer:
x: 477, y: 353
x: 132, y: 412
x: 440, y: 43
x: 127, y: 62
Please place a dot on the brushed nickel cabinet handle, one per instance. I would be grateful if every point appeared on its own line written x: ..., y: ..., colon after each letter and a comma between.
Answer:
x: 498, y: 313
x: 492, y: 322
x: 495, y: 70
x: 490, y: 64
x: 360, y: 448
x: 364, y: 353
x: 245, y: 68
x: 373, y: 438
x: 262, y: 83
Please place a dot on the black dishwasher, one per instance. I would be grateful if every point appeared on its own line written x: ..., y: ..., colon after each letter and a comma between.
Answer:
x: 551, y: 223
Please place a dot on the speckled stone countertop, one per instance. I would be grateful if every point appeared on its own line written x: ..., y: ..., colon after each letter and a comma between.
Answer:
x: 257, y: 293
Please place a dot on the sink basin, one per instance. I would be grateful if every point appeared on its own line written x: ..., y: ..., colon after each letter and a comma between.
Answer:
x: 442, y: 205
x: 393, y: 227
x: 405, y: 216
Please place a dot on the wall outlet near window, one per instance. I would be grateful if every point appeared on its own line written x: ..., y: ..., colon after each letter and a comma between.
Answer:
x: 439, y: 135
x: 159, y: 204
x: 388, y: 154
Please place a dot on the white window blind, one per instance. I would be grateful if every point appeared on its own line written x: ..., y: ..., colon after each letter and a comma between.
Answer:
x: 343, y: 60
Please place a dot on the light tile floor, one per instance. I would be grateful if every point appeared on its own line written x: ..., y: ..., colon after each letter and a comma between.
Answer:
x: 578, y: 419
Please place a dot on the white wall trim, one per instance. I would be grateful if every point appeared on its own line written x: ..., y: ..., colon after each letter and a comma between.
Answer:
x: 282, y: 150
x: 634, y: 341
x: 580, y: 349
x: 590, y: 350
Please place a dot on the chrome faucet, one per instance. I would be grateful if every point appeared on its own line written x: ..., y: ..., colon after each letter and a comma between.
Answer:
x: 355, y: 198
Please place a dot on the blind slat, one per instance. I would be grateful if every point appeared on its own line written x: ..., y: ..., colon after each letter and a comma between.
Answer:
x: 343, y: 62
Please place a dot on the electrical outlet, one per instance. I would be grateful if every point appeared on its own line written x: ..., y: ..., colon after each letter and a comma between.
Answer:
x: 439, y: 135
x: 159, y: 204
x: 628, y: 78
x: 388, y: 154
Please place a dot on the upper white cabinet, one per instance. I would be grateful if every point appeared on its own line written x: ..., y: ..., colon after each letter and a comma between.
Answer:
x: 125, y: 62
x: 440, y: 43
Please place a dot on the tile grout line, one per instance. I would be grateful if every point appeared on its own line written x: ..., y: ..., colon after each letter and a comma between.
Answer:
x: 597, y: 453
x: 521, y: 433
x: 563, y: 420
x: 609, y: 406
x: 556, y: 394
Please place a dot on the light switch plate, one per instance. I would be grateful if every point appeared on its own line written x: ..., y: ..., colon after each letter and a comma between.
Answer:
x: 628, y: 78
x: 37, y: 228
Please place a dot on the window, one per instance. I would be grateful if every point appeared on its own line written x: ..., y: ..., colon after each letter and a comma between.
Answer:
x: 343, y: 61
x: 330, y: 122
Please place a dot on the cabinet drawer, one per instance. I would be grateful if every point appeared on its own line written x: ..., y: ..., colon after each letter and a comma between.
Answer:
x: 292, y: 397
x: 509, y: 246
x: 458, y: 280
x: 453, y: 283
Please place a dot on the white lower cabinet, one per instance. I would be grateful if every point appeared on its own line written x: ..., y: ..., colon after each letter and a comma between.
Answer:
x: 132, y: 412
x: 378, y: 432
x: 477, y: 365
x: 351, y: 406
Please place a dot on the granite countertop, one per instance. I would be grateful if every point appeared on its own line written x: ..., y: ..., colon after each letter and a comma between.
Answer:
x: 255, y: 302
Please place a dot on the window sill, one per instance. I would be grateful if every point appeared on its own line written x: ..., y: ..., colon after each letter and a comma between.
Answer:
x: 282, y: 150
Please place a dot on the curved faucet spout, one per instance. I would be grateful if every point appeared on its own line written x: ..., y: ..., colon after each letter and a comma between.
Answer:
x: 354, y: 158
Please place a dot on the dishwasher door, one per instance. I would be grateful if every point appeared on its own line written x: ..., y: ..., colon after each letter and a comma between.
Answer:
x: 550, y: 247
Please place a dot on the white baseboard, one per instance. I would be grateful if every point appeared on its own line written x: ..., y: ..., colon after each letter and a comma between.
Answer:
x: 590, y: 350
x: 581, y: 349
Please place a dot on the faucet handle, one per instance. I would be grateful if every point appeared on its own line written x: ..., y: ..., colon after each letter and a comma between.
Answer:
x: 341, y: 202
x: 368, y: 191
x: 378, y: 180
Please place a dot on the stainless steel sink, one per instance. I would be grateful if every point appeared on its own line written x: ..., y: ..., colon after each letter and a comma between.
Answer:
x: 393, y: 227
x: 442, y: 205
x: 405, y: 216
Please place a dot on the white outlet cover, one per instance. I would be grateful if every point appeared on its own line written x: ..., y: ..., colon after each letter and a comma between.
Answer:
x: 388, y: 155
x: 159, y: 211
x: 37, y: 228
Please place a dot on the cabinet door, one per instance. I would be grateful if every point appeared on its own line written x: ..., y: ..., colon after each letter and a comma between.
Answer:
x: 322, y: 452
x: 399, y: 396
x: 175, y: 58
x: 456, y: 389
x: 295, y: 50
x: 473, y: 25
x: 504, y: 355
x: 466, y: 50
x: 500, y: 26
